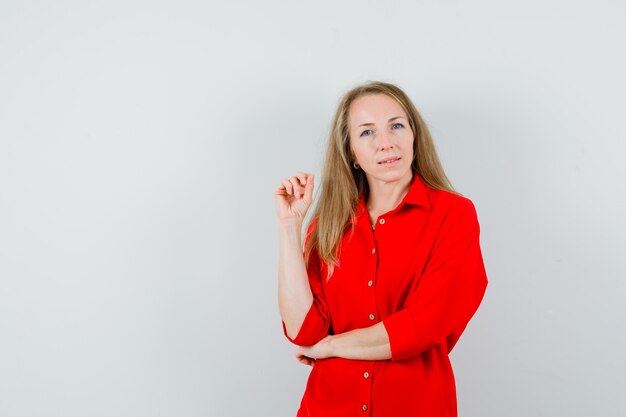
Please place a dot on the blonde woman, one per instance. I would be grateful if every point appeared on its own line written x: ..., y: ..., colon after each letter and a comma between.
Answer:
x: 391, y: 271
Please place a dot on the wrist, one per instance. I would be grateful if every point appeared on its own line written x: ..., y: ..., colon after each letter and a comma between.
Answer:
x: 291, y: 223
x: 330, y: 347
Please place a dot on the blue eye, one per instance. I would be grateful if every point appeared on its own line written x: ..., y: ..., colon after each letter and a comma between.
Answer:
x: 397, y: 125
x: 366, y: 132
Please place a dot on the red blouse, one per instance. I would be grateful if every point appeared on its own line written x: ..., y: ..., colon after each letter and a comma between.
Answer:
x: 420, y: 271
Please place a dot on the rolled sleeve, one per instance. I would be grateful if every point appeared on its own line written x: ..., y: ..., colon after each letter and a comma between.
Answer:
x: 402, y: 336
x: 314, y: 327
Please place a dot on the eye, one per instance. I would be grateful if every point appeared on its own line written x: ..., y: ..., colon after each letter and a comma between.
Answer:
x: 397, y: 126
x: 366, y: 132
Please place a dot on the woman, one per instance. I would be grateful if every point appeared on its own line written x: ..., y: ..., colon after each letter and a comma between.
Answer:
x: 392, y: 269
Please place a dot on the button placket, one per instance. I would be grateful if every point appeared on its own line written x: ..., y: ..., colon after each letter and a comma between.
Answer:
x: 366, y: 375
x: 366, y: 390
x: 370, y: 283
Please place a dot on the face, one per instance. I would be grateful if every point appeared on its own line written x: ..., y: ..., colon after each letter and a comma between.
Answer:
x: 379, y: 131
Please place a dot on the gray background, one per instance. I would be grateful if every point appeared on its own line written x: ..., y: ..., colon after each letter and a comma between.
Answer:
x: 141, y: 142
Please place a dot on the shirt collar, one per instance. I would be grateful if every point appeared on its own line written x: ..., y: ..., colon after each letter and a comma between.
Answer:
x: 417, y: 195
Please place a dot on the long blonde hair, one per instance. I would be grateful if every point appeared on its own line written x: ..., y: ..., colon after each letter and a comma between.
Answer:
x: 342, y: 185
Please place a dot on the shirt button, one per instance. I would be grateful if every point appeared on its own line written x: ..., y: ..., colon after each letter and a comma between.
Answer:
x: 366, y: 375
x: 370, y: 283
x: 381, y: 221
x: 372, y: 317
x: 373, y: 251
x: 364, y: 407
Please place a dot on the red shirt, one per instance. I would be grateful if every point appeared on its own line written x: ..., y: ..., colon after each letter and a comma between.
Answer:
x: 420, y: 271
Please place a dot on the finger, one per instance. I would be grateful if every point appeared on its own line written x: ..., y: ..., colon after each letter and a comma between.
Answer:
x: 297, y: 188
x: 299, y: 353
x: 308, y: 189
x: 306, y: 180
x: 280, y: 190
x: 302, y: 176
x: 306, y: 360
x: 288, y: 186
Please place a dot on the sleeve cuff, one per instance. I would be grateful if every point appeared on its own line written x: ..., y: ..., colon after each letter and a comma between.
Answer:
x: 403, y: 338
x: 309, y: 331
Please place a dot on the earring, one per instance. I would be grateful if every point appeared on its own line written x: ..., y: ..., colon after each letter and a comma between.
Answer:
x: 355, y: 165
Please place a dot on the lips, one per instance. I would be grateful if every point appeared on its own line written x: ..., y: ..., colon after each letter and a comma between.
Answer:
x: 389, y: 160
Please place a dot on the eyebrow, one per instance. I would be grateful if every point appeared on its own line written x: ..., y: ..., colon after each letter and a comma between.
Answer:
x: 372, y: 124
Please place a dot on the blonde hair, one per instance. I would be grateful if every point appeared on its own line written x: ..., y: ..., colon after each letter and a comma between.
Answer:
x: 342, y: 185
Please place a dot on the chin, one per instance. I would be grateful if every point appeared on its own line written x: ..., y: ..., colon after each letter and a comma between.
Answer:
x: 391, y: 176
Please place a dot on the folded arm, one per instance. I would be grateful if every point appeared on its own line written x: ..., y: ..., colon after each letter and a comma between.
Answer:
x: 369, y: 343
x: 448, y: 294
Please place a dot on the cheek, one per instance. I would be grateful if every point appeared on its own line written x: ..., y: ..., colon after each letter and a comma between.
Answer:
x: 408, y: 140
x: 359, y: 150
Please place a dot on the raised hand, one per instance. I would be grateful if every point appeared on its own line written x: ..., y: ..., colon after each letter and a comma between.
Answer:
x: 294, y: 197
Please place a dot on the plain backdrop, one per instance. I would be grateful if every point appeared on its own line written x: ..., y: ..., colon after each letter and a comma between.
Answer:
x: 141, y: 143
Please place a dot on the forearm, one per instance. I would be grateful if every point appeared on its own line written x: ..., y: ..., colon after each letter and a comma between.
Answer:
x: 294, y: 292
x: 369, y: 343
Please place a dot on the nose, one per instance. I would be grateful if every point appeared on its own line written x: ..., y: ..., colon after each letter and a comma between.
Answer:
x: 383, y: 140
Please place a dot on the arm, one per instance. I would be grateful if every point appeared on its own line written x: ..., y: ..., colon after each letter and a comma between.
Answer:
x: 305, y: 314
x: 294, y: 293
x: 369, y: 343
x: 447, y: 296
x: 303, y: 307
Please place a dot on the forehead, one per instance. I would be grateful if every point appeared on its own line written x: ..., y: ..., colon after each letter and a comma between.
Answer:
x: 373, y: 108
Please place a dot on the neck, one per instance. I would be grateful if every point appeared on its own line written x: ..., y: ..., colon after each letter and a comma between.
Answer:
x: 385, y: 196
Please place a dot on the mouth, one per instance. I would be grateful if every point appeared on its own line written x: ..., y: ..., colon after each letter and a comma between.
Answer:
x: 389, y: 161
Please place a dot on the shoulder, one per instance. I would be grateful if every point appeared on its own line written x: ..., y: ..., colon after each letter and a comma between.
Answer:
x: 451, y: 207
x: 442, y: 200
